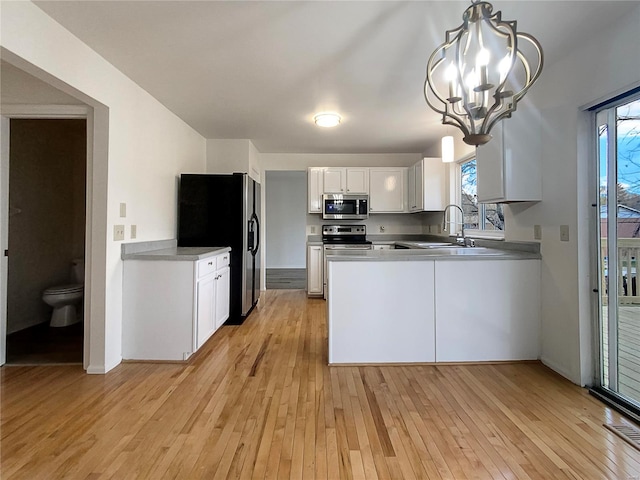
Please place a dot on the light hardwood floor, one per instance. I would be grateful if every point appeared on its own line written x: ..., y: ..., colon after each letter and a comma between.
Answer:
x: 260, y: 402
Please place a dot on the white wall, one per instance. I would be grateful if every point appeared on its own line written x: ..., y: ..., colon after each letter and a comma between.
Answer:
x: 286, y: 219
x: 606, y: 64
x: 139, y: 147
x: 233, y: 155
x: 302, y: 161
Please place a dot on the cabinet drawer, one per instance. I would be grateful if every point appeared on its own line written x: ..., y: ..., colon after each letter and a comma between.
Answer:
x: 206, y: 266
x: 223, y: 260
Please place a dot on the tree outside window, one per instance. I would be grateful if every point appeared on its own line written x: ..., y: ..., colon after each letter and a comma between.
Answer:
x: 478, y: 216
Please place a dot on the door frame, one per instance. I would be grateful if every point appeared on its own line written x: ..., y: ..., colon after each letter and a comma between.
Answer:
x: 43, y: 112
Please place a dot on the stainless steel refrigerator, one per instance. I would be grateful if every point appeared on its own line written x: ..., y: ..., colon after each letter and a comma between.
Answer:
x: 224, y: 211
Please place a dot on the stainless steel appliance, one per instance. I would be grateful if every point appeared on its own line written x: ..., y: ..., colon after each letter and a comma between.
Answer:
x: 343, y: 237
x: 223, y: 211
x: 345, y: 207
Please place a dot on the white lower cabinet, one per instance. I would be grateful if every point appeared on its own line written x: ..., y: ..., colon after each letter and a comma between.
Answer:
x: 172, y: 307
x: 205, y: 311
x: 487, y: 310
x: 315, y: 277
x: 222, y: 296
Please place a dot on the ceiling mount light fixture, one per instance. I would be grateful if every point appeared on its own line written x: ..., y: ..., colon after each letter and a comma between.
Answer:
x: 327, y: 119
x: 476, y: 77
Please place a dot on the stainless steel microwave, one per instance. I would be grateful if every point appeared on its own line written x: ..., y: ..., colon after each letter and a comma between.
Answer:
x: 345, y: 207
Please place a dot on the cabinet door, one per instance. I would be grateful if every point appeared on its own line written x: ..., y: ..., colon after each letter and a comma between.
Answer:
x: 509, y: 166
x: 432, y: 184
x: 222, y: 296
x: 314, y: 270
x: 315, y: 177
x: 387, y: 192
x: 411, y: 190
x: 335, y: 180
x: 490, y: 165
x: 205, y: 319
x: 385, y: 246
x: 357, y: 180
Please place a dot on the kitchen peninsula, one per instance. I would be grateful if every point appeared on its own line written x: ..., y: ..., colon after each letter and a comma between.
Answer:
x: 447, y: 305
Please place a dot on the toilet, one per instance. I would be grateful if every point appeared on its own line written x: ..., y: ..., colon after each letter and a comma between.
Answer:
x: 64, y: 298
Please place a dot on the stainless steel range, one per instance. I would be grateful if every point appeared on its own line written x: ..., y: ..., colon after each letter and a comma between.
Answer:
x: 343, y: 237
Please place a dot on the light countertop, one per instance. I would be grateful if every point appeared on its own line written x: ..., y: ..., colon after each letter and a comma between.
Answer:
x: 454, y: 253
x: 167, y: 250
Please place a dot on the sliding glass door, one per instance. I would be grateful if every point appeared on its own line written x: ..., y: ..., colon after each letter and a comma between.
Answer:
x: 618, y: 134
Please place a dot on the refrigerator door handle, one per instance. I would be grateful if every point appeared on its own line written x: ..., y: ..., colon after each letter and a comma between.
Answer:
x: 254, y: 218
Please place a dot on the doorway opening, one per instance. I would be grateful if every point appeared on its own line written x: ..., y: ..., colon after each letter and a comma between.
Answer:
x: 46, y: 240
x: 286, y: 220
x: 617, y: 132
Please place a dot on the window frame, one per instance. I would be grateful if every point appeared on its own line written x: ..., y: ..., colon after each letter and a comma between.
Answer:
x: 457, y: 198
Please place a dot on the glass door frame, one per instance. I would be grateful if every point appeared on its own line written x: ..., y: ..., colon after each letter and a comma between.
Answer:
x: 606, y: 114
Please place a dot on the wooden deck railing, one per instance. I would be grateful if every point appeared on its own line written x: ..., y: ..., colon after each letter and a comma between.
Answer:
x: 628, y: 255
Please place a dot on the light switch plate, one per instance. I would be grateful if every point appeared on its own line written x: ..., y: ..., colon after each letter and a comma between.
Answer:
x: 123, y: 210
x: 118, y: 232
x: 537, y: 232
x: 564, y: 233
x: 134, y: 231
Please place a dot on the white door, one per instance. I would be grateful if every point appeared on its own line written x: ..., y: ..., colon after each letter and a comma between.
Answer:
x: 387, y: 190
x: 314, y: 270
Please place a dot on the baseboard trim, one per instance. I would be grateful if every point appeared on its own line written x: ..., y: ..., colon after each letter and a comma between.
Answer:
x: 560, y: 371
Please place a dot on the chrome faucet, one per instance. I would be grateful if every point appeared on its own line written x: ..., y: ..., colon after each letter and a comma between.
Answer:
x: 459, y: 237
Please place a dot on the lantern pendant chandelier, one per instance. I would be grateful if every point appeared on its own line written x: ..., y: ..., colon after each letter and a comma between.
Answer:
x: 477, y: 76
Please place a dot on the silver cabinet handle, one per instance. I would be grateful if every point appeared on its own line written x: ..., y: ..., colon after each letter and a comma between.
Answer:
x: 210, y: 263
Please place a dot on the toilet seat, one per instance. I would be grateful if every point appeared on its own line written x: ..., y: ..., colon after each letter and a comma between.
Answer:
x: 62, y: 289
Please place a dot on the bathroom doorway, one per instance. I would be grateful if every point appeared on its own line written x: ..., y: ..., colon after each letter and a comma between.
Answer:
x: 46, y: 236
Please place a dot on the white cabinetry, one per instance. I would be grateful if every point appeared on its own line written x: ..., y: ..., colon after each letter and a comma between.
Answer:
x: 322, y: 180
x: 335, y: 180
x: 345, y: 180
x: 426, y: 185
x: 205, y: 310
x: 509, y: 166
x: 357, y: 180
x: 493, y: 313
x: 315, y: 278
x: 387, y: 190
x: 171, y: 307
x: 315, y: 184
x: 381, y: 312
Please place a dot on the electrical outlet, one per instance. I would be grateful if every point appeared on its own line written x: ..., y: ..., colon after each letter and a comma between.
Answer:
x: 564, y: 233
x: 118, y: 232
x: 313, y: 229
x: 134, y: 231
x: 123, y: 210
x: 381, y: 228
x: 537, y: 232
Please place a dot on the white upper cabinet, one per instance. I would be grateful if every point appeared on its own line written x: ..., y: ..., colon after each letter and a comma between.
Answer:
x: 426, y: 185
x: 509, y: 166
x: 315, y: 184
x: 388, y: 189
x: 357, y: 180
x: 345, y: 180
x: 335, y: 180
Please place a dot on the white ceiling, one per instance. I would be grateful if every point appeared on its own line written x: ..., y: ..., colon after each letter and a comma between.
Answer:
x: 260, y: 70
